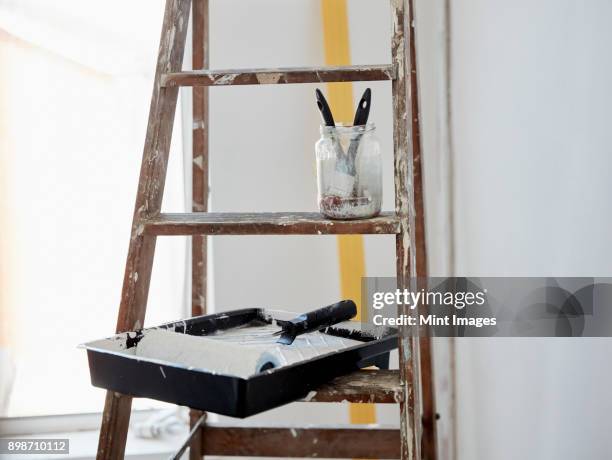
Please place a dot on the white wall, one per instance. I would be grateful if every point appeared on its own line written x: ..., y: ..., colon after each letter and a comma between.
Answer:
x: 531, y: 156
x: 262, y: 156
x: 531, y: 100
x: 262, y: 159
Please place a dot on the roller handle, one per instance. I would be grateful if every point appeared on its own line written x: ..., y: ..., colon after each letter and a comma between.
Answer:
x: 316, y: 320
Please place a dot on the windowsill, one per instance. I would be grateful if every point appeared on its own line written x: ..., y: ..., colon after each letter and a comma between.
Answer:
x: 82, y: 430
x: 83, y: 445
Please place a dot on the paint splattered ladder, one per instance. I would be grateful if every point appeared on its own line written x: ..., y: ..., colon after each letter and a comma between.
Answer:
x: 407, y: 223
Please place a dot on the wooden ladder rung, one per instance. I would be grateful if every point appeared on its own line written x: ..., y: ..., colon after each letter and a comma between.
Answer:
x: 279, y: 76
x: 277, y: 223
x: 365, y: 386
x: 304, y: 442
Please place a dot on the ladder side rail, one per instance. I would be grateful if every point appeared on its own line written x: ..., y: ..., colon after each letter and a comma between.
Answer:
x: 427, y: 381
x: 410, y: 263
x: 199, y: 188
x: 116, y: 416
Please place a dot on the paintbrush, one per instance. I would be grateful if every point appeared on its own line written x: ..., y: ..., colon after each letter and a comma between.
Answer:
x: 343, y: 181
x: 361, y: 118
x: 345, y: 170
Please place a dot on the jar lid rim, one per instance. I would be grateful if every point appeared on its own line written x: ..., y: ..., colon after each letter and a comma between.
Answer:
x: 347, y: 129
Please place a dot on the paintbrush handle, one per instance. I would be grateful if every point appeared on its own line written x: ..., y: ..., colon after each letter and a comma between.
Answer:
x: 361, y: 118
x: 326, y: 113
x: 342, y: 162
x: 363, y: 109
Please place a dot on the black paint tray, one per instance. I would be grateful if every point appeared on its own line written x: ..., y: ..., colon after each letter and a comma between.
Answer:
x: 113, y: 367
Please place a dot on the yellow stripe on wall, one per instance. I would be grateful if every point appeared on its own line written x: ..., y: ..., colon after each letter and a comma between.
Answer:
x: 340, y: 97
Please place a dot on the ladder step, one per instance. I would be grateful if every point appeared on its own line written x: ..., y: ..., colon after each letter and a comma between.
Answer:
x: 366, y: 386
x: 279, y: 76
x: 277, y: 223
x: 304, y: 442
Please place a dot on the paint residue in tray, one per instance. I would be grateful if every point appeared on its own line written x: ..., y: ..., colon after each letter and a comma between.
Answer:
x: 241, y: 351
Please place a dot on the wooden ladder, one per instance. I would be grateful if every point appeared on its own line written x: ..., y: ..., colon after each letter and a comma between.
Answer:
x: 411, y: 386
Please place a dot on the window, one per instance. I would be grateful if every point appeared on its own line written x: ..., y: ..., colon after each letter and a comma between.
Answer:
x: 75, y: 88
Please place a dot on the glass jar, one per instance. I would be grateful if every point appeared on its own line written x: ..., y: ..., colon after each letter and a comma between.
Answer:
x: 349, y: 172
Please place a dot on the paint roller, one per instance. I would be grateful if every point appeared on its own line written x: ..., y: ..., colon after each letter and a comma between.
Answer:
x: 198, y: 352
x: 237, y: 357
